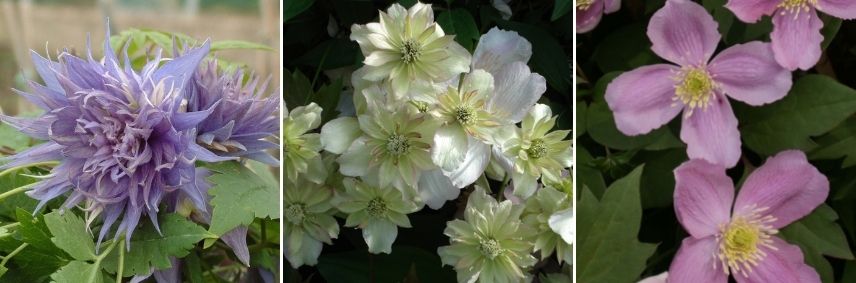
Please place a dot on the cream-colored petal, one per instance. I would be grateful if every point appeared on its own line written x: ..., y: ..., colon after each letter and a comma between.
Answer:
x: 338, y: 134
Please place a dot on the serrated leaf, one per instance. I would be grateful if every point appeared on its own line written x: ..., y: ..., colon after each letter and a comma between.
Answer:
x: 78, y: 272
x: 34, y: 232
x: 815, y: 105
x: 69, y: 234
x: 238, y: 196
x: 151, y: 250
x: 610, y: 234
x: 818, y: 235
x: 14, y: 202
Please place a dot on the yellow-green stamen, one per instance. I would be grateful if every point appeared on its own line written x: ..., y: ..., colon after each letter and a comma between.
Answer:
x: 695, y: 88
x: 490, y: 248
x: 295, y: 213
x: 376, y: 207
x: 583, y: 5
x: 796, y: 6
x: 741, y: 241
x: 537, y: 149
x: 397, y: 145
x: 464, y: 115
x: 410, y: 51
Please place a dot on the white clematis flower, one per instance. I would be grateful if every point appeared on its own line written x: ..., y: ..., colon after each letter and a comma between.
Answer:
x: 546, y: 204
x: 378, y: 211
x: 308, y: 221
x: 406, y: 46
x: 537, y: 152
x: 301, y: 148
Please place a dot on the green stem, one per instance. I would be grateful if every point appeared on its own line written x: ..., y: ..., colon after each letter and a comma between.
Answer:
x: 13, y: 169
x: 10, y: 226
x: 121, y: 262
x: 101, y: 257
x: 15, y: 191
x: 12, y: 254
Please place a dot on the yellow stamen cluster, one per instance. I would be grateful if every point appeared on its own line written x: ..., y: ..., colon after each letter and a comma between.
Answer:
x: 796, y: 6
x: 397, y: 145
x: 537, y: 149
x: 490, y: 248
x: 410, y: 51
x: 695, y: 88
x: 583, y: 5
x: 376, y: 207
x: 741, y: 241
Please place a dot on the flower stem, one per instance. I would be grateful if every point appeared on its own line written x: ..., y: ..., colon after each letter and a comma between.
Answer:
x: 101, y: 257
x: 12, y: 254
x: 121, y: 262
x: 15, y: 191
x: 13, y: 169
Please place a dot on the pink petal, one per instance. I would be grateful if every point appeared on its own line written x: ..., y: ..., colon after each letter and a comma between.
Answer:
x: 796, y: 39
x: 642, y: 99
x: 786, y: 184
x: 610, y: 6
x: 695, y: 263
x: 703, y: 197
x: 750, y: 11
x: 783, y: 265
x: 684, y: 33
x: 711, y: 134
x: 588, y: 19
x: 845, y: 9
x: 749, y: 73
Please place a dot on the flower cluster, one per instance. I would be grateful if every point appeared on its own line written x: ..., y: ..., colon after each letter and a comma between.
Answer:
x: 431, y: 119
x: 729, y: 236
x: 128, y: 140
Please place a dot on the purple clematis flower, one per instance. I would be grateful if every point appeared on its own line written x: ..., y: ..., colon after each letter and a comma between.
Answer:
x: 796, y: 34
x: 589, y: 12
x: 740, y: 239
x: 242, y: 117
x: 648, y: 97
x: 121, y: 136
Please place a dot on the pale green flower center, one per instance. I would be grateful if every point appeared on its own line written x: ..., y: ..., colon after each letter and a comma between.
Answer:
x: 376, y: 208
x: 490, y: 248
x: 420, y: 105
x: 584, y: 4
x: 397, y: 145
x: 537, y: 149
x: 410, y: 51
x: 695, y: 88
x: 797, y: 6
x: 295, y: 213
x: 464, y: 115
x: 740, y: 241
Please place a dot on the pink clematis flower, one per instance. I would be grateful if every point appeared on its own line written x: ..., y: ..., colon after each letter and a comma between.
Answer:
x: 589, y: 12
x: 796, y: 34
x: 740, y: 240
x: 648, y: 97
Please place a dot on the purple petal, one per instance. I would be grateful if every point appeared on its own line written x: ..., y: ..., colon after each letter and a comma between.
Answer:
x: 642, y: 99
x: 171, y: 274
x: 588, y: 19
x: 787, y: 185
x: 610, y: 6
x: 844, y: 9
x: 206, y: 155
x: 695, y: 263
x: 782, y: 265
x: 711, y: 134
x: 179, y: 70
x: 750, y: 11
x: 683, y: 33
x: 749, y: 73
x: 36, y: 128
x: 796, y: 39
x: 46, y: 69
x: 703, y: 197
x: 237, y: 240
x: 48, y: 151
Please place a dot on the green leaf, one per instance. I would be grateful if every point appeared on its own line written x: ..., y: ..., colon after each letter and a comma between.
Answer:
x: 818, y: 235
x: 11, y: 138
x: 815, y: 105
x: 609, y: 233
x: 601, y: 127
x: 839, y: 142
x: 624, y: 49
x: 238, y: 44
x: 460, y: 23
x: 34, y: 232
x: 328, y: 98
x: 356, y: 266
x: 587, y: 173
x: 549, y: 58
x: 658, y: 180
x: 831, y: 25
x: 293, y: 8
x: 297, y: 89
x: 17, y: 201
x: 238, y: 196
x: 69, y: 234
x: 193, y: 268
x: 78, y: 272
x: 335, y: 53
x: 561, y: 8
x: 151, y: 250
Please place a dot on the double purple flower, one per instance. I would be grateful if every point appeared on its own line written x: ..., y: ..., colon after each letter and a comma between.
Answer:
x: 684, y: 33
x: 125, y: 139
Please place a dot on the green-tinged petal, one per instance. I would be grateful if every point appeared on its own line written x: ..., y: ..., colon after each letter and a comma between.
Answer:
x: 359, y: 218
x: 479, y: 81
x: 381, y: 57
x: 388, y: 172
x: 377, y: 73
x: 562, y: 223
x: 524, y: 184
x: 379, y: 236
x: 400, y: 82
x: 329, y: 224
x: 537, y: 114
x: 316, y: 171
x: 351, y: 206
x: 421, y: 15
x: 399, y: 219
x: 338, y: 134
x: 459, y: 59
x: 435, y: 189
x: 401, y: 205
x: 355, y: 161
x: 449, y: 147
